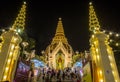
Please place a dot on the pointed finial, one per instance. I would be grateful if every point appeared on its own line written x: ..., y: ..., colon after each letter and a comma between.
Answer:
x: 60, y: 29
x: 19, y: 23
x: 90, y: 3
x: 24, y: 2
x: 60, y: 19
x: 93, y: 20
x: 59, y: 35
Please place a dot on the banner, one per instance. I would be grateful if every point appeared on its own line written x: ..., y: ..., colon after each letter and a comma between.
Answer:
x: 87, y: 73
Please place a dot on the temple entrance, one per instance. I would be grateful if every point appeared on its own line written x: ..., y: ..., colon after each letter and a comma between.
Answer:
x: 60, y: 60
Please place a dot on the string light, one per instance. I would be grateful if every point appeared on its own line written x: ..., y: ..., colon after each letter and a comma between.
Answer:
x: 104, y: 31
x: 3, y: 30
x: 117, y: 35
x: 111, y: 40
x: 117, y: 44
x: 110, y: 33
x: 114, y: 37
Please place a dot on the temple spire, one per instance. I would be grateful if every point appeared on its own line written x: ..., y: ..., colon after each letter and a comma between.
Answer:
x: 59, y: 36
x: 59, y: 30
x: 93, y: 20
x: 19, y: 22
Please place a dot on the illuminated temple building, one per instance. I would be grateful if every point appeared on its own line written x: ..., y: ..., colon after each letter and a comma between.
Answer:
x: 97, y: 65
x: 59, y: 52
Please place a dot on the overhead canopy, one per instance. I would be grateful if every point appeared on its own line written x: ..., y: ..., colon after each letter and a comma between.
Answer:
x: 38, y: 63
x: 78, y: 64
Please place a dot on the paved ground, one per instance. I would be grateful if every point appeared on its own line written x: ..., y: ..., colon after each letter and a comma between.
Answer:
x: 56, y: 80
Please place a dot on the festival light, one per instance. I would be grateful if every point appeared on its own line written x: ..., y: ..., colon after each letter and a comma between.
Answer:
x: 114, y: 37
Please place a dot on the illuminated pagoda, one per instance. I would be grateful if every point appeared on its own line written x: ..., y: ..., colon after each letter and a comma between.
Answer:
x: 59, y: 52
x: 103, y: 61
x: 10, y: 49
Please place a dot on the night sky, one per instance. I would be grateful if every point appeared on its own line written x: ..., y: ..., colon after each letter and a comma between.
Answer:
x: 42, y: 19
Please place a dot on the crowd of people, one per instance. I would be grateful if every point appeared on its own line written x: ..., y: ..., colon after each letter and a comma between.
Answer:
x: 52, y: 75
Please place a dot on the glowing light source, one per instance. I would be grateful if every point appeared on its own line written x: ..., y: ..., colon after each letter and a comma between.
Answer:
x: 101, y: 80
x: 113, y: 72
x: 15, y: 39
x: 95, y: 43
x: 117, y: 35
x: 110, y: 33
x: 24, y: 2
x: 6, y: 68
x: 110, y: 57
x: 90, y: 3
x: 9, y: 60
x: 16, y: 33
x: 111, y: 64
x: 4, y: 77
x: 98, y: 57
x: 12, y: 47
x: 11, y: 53
x: 96, y: 49
x: 19, y: 30
x: 117, y: 44
x: 100, y: 72
x: 104, y: 31
x: 3, y: 30
x: 93, y: 36
x: 111, y: 40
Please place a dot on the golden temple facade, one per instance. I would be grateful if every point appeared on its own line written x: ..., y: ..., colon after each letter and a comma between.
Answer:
x: 59, y: 52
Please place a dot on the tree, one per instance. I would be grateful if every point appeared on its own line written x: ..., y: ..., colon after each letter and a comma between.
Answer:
x: 77, y: 57
x: 42, y: 58
x: 30, y: 44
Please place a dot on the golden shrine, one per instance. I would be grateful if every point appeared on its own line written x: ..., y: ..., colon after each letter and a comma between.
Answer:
x: 59, y: 52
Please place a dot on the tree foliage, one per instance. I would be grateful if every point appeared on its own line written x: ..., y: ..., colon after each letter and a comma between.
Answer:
x: 42, y: 58
x: 30, y: 41
x: 76, y: 57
